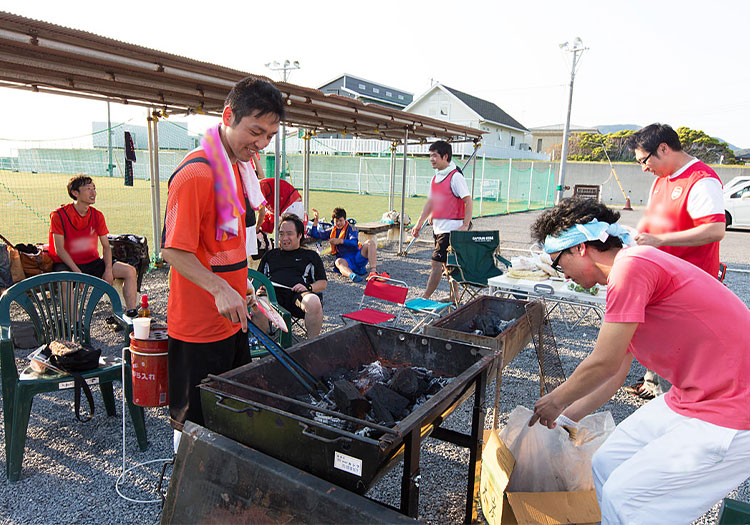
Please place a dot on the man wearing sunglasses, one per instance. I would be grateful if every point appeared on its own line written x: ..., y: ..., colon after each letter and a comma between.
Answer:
x: 685, y: 211
x: 679, y: 454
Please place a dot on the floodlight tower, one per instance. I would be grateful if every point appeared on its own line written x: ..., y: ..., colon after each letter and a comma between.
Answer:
x: 284, y: 67
x: 577, y: 49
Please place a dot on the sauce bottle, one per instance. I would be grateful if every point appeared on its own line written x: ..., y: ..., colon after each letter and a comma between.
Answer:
x: 144, y: 310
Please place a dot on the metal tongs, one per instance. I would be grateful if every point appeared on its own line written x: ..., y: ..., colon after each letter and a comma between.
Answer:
x: 314, y: 386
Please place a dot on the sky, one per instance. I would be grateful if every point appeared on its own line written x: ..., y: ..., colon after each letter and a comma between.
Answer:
x: 678, y: 62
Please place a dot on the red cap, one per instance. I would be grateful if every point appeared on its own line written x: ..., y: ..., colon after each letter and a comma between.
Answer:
x: 144, y: 301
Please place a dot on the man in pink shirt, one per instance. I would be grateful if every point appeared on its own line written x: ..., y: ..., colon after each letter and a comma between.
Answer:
x: 682, y: 452
x: 684, y: 215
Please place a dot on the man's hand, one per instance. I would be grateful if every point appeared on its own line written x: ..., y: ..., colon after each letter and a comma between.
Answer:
x: 336, y: 241
x: 648, y: 239
x: 463, y: 228
x: 315, y: 217
x: 232, y: 305
x: 546, y: 410
x: 300, y: 288
x: 108, y: 276
x: 415, y: 230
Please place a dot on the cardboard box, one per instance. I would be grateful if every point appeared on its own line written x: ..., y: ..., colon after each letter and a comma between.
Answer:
x: 501, y: 507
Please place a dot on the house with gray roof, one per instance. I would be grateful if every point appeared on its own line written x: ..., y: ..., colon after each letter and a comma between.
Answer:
x: 505, y: 135
x: 367, y: 91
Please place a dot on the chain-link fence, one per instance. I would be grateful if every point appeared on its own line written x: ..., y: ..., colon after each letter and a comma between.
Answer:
x: 33, y: 178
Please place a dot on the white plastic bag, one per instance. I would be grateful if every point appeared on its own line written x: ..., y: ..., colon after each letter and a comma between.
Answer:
x: 548, y: 460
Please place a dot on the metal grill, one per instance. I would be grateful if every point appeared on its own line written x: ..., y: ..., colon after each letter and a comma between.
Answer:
x: 551, y: 373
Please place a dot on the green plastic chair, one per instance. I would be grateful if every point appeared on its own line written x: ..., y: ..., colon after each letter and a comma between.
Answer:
x: 472, y: 261
x: 55, y: 319
x: 285, y: 338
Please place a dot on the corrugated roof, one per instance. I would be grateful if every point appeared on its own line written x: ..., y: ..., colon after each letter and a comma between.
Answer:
x: 486, y: 109
x: 50, y: 58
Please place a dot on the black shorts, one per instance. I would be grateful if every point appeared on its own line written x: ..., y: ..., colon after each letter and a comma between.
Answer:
x: 189, y: 363
x: 292, y: 301
x: 442, y: 241
x: 95, y: 268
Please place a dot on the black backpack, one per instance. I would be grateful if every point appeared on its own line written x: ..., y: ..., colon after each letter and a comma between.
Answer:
x: 74, y: 360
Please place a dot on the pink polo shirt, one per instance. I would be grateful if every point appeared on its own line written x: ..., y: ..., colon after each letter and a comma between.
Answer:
x: 693, y: 332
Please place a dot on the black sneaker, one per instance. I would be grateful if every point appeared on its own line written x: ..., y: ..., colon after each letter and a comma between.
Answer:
x: 113, y: 323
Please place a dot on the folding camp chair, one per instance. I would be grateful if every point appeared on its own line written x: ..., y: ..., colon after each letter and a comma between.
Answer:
x: 389, y: 295
x: 285, y: 338
x: 425, y: 311
x: 471, y: 262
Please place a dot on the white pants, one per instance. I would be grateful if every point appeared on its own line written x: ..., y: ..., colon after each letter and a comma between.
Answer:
x: 660, y: 465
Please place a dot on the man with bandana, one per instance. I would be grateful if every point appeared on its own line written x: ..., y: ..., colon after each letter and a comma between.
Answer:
x: 684, y: 215
x: 679, y: 454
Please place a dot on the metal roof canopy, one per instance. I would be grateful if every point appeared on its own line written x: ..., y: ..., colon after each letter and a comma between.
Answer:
x: 50, y: 58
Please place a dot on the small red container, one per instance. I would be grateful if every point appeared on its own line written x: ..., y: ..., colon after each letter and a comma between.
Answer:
x: 149, y: 369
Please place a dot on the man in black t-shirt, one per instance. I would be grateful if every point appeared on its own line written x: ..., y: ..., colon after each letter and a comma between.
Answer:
x: 298, y: 275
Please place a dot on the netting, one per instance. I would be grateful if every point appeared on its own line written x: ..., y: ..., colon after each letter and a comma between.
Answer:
x: 34, y: 174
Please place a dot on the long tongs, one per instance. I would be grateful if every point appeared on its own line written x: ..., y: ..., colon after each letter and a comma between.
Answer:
x: 314, y: 386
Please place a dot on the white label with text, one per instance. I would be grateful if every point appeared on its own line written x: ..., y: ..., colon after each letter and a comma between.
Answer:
x: 71, y: 384
x: 348, y: 464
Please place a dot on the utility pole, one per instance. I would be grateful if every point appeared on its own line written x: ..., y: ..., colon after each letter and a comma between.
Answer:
x: 284, y: 67
x: 577, y: 49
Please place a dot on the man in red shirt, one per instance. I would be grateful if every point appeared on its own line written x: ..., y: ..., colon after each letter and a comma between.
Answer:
x: 685, y: 211
x: 74, y: 232
x: 450, y: 206
x: 290, y: 202
x: 207, y: 308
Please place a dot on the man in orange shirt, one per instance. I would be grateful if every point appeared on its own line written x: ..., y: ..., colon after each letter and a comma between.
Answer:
x: 74, y: 232
x: 207, y: 308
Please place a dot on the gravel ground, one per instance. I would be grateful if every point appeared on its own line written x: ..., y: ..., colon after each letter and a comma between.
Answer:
x: 70, y: 468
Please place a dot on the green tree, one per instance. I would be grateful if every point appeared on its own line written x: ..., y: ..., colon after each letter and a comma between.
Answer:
x: 591, y: 147
x: 708, y: 149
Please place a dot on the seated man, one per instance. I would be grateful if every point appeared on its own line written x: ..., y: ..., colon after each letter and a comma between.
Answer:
x: 297, y: 274
x: 290, y: 202
x: 73, y: 233
x: 351, y: 257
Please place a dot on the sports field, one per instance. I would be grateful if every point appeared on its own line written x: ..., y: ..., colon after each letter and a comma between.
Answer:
x: 26, y: 200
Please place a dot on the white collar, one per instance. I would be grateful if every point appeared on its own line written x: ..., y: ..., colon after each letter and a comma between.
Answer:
x: 682, y: 169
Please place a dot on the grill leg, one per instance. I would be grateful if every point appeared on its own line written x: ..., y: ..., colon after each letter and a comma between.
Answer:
x: 475, y: 450
x: 411, y: 477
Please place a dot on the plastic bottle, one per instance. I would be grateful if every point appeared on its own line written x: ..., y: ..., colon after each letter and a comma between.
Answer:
x: 144, y: 310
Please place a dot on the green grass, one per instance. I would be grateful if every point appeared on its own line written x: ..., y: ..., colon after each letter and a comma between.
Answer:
x: 27, y: 199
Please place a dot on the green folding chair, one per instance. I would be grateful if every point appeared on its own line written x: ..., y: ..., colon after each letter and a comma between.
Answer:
x: 733, y: 512
x: 285, y: 338
x: 472, y: 261
x: 60, y: 306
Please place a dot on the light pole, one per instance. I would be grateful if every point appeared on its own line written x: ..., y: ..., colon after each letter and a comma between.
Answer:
x: 577, y: 49
x: 284, y: 67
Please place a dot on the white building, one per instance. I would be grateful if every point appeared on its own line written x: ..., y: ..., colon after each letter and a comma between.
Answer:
x: 505, y: 135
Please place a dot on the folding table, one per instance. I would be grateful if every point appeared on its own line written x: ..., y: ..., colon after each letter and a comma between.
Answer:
x: 578, y: 304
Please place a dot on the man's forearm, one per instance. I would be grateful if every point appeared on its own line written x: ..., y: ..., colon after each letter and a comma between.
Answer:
x: 698, y: 236
x: 468, y: 210
x: 106, y: 252
x: 319, y: 286
x: 59, y: 242
x: 588, y: 404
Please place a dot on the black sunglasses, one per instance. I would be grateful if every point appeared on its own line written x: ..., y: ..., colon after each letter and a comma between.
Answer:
x: 642, y: 162
x: 555, y: 263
